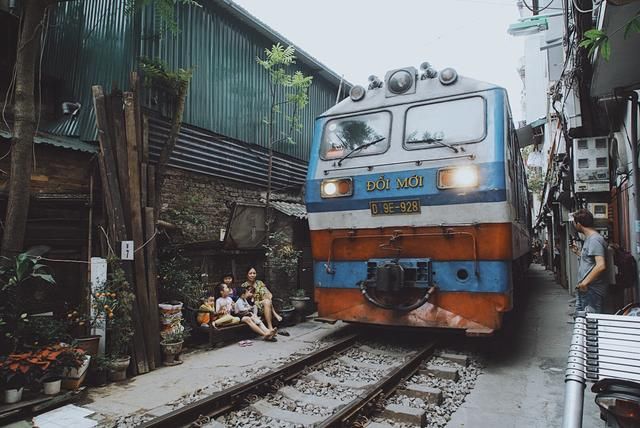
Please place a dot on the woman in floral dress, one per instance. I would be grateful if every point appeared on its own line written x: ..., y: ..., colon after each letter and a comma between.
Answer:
x: 263, y: 298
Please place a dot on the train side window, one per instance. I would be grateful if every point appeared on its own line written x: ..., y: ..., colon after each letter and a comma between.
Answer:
x: 458, y: 121
x: 342, y: 135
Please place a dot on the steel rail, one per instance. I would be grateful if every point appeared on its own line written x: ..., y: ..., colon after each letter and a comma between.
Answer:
x: 223, y: 401
x: 382, y: 389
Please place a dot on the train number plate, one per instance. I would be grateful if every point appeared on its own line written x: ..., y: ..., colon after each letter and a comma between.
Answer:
x: 407, y: 206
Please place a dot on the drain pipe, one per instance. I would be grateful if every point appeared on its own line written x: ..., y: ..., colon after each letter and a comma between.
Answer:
x: 574, y: 378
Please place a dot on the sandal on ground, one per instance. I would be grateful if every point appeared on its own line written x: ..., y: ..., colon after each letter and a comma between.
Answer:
x: 284, y: 333
x: 270, y: 339
x: 244, y: 343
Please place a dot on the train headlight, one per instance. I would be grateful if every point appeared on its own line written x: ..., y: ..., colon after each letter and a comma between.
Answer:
x: 400, y: 82
x: 448, y: 76
x: 357, y: 93
x: 460, y: 177
x: 336, y: 188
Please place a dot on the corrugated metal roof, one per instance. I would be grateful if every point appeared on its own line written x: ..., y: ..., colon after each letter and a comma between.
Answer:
x: 290, y: 208
x: 93, y: 42
x: 204, y: 152
x: 54, y: 140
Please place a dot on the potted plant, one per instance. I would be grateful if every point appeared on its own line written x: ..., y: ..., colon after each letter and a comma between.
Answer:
x: 299, y: 300
x: 114, y: 301
x: 99, y: 370
x: 18, y: 371
x: 286, y: 310
x: 15, y: 273
x: 171, y: 344
x: 64, y: 362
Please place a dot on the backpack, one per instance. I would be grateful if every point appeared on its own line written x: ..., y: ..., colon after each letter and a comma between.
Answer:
x: 626, y: 269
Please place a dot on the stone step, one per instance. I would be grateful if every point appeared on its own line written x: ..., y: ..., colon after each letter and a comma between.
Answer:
x: 295, y: 395
x: 365, y: 365
x: 270, y: 411
x: 322, y: 378
x: 426, y: 393
x: 405, y: 414
x: 442, y: 372
x: 461, y: 359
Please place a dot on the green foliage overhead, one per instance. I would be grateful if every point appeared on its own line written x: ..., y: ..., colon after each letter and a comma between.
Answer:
x: 165, y: 11
x: 156, y: 73
x: 600, y: 41
x: 287, y: 88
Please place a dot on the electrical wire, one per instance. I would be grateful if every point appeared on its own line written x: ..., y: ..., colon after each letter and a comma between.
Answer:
x: 594, y: 3
x: 539, y: 9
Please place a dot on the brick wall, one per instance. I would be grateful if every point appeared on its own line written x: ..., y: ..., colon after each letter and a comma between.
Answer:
x: 205, y: 198
x: 208, y: 198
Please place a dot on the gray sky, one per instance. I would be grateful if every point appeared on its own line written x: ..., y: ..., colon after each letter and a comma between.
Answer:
x: 358, y: 38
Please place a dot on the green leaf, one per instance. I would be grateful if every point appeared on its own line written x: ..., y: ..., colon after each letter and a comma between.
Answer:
x: 632, y: 26
x: 605, y: 49
x: 45, y: 277
x: 594, y: 34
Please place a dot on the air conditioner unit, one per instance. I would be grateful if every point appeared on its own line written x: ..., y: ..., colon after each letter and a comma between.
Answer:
x: 600, y: 210
x: 591, y: 164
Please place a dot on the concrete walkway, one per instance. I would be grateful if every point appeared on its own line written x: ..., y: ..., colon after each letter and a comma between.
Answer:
x: 523, y: 382
x: 151, y: 392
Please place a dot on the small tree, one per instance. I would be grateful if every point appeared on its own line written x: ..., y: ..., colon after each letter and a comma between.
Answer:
x: 288, y: 91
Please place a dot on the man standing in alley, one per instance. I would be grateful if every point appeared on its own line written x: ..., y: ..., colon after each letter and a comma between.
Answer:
x: 592, y: 283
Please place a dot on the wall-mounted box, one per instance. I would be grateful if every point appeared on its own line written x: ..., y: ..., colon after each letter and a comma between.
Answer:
x: 591, y: 164
x: 600, y: 210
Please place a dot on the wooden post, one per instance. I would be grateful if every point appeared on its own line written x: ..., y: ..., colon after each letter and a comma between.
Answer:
x: 114, y: 202
x: 136, y: 221
x: 120, y: 145
x: 151, y: 251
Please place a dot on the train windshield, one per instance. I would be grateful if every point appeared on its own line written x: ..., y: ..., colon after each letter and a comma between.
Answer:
x: 445, y: 123
x: 345, y: 134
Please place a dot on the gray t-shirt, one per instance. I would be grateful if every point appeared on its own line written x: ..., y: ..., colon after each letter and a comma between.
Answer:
x: 594, y: 245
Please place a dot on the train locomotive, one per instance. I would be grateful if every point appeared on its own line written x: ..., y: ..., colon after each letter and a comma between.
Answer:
x: 417, y: 204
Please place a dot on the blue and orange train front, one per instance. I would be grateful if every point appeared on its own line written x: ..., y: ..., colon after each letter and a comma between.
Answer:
x: 404, y: 247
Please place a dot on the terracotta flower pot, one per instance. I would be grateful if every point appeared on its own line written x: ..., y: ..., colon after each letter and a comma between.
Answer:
x: 89, y: 344
x: 118, y: 369
x: 72, y: 378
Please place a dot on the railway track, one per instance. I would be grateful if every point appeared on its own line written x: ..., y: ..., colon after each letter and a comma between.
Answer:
x: 361, y: 395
